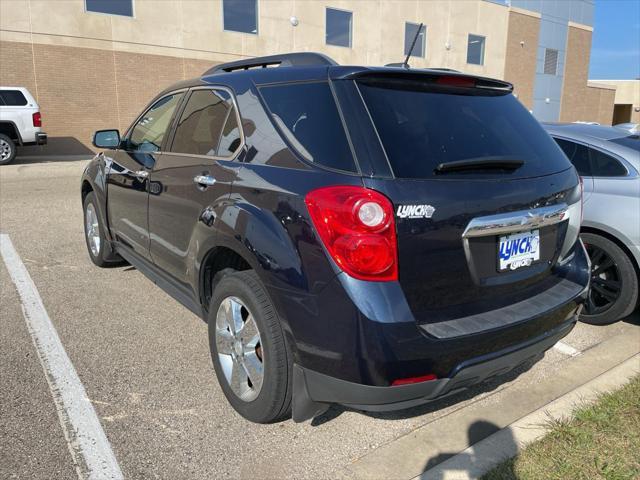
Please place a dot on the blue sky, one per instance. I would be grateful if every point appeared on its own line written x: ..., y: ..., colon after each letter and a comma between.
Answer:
x: 615, y: 49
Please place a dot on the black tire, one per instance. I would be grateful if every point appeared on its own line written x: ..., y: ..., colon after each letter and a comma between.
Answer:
x: 103, y: 256
x: 273, y: 402
x: 7, y: 149
x: 614, y: 282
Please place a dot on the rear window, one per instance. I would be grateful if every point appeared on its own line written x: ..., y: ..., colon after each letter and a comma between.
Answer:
x: 13, y: 98
x: 632, y: 141
x: 420, y: 129
x: 307, y: 115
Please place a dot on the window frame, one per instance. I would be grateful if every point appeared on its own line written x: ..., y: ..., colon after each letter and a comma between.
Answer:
x: 484, y: 47
x: 326, y: 10
x: 174, y: 125
x: 225, y: 29
x: 544, y: 63
x: 424, y: 39
x: 590, y: 147
x: 133, y: 11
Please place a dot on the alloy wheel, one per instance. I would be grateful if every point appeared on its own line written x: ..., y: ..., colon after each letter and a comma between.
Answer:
x: 239, y: 349
x: 5, y: 150
x: 606, y: 282
x: 93, y: 230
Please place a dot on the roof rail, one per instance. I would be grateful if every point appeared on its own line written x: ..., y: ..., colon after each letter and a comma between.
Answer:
x: 284, y: 60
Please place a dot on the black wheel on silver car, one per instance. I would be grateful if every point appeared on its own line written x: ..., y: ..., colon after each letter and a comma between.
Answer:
x: 99, y: 252
x: 7, y: 149
x: 614, y: 282
x: 248, y: 349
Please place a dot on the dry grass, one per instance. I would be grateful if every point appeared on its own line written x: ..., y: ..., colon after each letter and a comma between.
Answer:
x: 601, y: 441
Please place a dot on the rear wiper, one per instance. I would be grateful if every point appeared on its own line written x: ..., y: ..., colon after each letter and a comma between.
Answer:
x: 480, y: 163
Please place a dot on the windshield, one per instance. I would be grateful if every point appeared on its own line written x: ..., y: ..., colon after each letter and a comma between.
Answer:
x: 422, y: 129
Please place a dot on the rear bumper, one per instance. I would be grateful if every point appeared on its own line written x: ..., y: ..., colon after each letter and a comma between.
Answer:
x: 40, y: 139
x: 313, y: 392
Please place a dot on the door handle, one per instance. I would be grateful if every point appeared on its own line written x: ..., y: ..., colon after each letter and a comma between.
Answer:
x: 141, y: 174
x: 204, y: 180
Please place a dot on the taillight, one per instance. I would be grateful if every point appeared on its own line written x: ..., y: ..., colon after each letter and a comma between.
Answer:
x: 37, y: 119
x: 357, y: 227
x: 410, y: 380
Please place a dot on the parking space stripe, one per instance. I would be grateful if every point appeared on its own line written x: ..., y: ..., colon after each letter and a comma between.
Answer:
x: 86, y: 439
x: 566, y: 349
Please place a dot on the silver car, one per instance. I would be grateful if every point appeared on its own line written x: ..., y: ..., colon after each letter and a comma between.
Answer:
x: 608, y: 160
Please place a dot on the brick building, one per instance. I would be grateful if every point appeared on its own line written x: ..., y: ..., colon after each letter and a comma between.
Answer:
x: 95, y: 63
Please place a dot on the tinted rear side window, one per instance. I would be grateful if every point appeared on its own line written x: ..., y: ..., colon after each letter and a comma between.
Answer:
x: 603, y: 165
x: 202, y: 123
x: 307, y: 115
x: 420, y: 129
x: 13, y: 98
x: 577, y: 154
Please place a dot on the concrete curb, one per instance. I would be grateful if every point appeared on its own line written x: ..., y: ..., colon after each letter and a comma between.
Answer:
x: 506, y: 443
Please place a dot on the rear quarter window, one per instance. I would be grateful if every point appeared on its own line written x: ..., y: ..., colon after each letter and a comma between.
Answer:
x: 420, y: 129
x: 13, y: 98
x: 307, y: 116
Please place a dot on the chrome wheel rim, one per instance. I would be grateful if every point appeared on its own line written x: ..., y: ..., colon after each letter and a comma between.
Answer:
x: 5, y: 149
x: 239, y: 349
x: 93, y: 230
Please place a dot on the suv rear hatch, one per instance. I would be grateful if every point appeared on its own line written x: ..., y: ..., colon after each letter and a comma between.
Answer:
x: 482, y: 195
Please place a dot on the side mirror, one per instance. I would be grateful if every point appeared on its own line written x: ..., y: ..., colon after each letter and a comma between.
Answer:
x: 106, y: 139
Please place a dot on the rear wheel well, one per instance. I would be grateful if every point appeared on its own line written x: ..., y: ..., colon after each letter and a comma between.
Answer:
x: 216, y: 261
x: 9, y: 129
x: 615, y: 240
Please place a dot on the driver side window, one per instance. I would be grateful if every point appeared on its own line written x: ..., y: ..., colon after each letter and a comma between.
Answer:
x: 149, y: 131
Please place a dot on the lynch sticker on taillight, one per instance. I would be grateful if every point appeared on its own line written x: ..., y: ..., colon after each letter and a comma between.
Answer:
x: 415, y: 211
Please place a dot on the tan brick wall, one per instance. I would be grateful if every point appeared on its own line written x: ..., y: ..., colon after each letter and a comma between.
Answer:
x: 76, y: 92
x: 579, y: 101
x: 520, y: 63
x: 81, y: 90
x: 16, y: 66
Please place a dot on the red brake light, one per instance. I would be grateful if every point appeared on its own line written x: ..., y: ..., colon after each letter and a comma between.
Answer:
x: 37, y: 119
x: 410, y: 380
x: 456, y: 81
x: 357, y: 227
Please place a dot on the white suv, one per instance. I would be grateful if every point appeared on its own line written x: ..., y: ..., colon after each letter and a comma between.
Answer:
x: 20, y: 122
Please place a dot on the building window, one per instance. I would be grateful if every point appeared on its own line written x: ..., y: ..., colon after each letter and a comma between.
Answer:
x: 240, y: 15
x: 410, y: 30
x: 475, y: 49
x: 338, y: 27
x: 550, y: 61
x: 112, y: 7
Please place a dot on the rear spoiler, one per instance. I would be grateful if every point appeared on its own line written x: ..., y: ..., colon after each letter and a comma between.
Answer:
x: 438, y: 78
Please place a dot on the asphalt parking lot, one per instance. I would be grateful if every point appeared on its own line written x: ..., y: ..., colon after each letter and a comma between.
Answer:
x: 144, y: 362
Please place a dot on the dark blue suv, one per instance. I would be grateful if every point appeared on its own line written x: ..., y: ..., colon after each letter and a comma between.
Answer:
x: 372, y: 237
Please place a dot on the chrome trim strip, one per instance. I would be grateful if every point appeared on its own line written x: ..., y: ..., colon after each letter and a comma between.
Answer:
x: 505, y: 223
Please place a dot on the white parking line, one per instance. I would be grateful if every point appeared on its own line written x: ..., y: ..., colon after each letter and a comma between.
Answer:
x: 566, y: 349
x: 86, y: 439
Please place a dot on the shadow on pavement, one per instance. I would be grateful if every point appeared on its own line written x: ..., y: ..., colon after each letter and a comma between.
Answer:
x: 57, y: 149
x: 634, y: 318
x: 478, y: 430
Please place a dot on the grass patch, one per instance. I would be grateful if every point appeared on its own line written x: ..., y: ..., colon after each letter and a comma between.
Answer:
x: 602, y: 441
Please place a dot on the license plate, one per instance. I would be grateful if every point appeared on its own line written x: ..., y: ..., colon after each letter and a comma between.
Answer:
x: 518, y: 250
